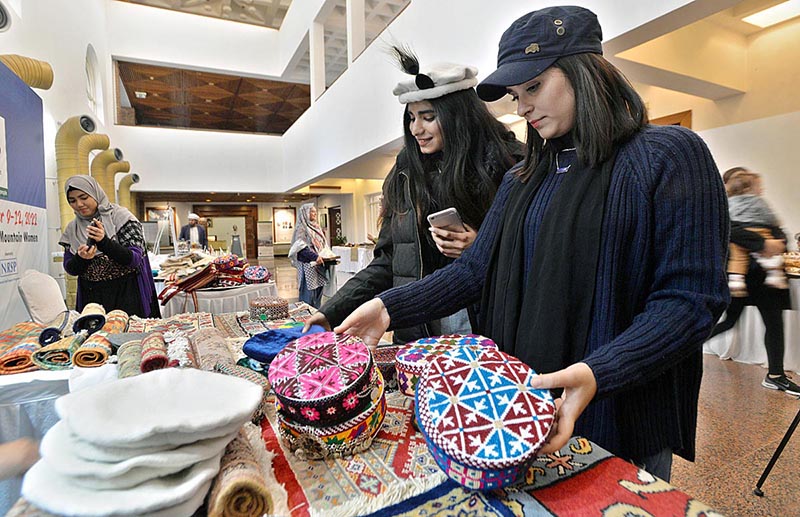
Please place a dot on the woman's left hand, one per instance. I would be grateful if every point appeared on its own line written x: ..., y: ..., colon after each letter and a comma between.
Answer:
x: 96, y: 230
x: 453, y: 243
x: 580, y: 387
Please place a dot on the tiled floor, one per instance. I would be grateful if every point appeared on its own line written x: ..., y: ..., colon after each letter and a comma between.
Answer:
x: 740, y: 425
x: 739, y: 428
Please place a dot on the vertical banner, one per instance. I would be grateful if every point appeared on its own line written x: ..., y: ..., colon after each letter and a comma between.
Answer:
x: 23, y: 224
x: 3, y: 161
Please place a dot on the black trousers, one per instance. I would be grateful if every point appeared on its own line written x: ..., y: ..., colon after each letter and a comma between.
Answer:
x: 773, y: 335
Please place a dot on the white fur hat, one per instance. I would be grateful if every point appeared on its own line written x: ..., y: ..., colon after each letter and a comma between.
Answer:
x: 437, y: 81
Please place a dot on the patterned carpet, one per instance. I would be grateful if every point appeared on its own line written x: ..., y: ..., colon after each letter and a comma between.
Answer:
x: 397, y: 476
x: 185, y: 322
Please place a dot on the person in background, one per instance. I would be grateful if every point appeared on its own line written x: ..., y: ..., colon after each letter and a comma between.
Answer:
x: 770, y: 300
x: 455, y: 155
x: 749, y: 210
x: 194, y: 233
x: 601, y: 263
x: 308, y: 241
x: 104, y: 247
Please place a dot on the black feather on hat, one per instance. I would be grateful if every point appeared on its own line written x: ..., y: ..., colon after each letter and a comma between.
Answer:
x: 440, y: 79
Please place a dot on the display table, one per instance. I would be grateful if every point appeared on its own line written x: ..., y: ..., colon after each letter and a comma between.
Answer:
x: 398, y: 476
x: 218, y: 300
x: 352, y: 260
x: 744, y: 343
x: 27, y: 410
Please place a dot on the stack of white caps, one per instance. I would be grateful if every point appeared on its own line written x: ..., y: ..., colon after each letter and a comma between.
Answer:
x: 145, y: 445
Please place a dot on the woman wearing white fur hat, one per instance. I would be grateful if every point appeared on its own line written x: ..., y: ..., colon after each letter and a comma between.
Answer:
x: 454, y: 157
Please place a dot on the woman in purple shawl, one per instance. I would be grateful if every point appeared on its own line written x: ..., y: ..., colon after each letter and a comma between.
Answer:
x: 104, y: 247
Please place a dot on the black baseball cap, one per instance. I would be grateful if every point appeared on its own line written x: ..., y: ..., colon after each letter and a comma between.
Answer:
x: 535, y: 41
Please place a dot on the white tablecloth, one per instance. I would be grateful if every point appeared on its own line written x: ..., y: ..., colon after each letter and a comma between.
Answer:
x: 217, y: 301
x: 27, y: 410
x: 347, y: 264
x: 745, y: 341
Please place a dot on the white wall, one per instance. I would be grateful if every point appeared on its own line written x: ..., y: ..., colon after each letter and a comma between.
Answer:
x: 768, y: 146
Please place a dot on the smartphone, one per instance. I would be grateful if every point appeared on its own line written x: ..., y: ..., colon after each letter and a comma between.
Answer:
x: 447, y: 219
x: 89, y: 241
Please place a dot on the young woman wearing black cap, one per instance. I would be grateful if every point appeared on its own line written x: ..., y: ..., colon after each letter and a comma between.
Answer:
x: 455, y: 155
x: 601, y: 263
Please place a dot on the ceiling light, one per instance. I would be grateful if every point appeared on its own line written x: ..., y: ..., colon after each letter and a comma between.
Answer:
x: 510, y: 118
x: 208, y: 201
x: 140, y: 95
x: 775, y: 14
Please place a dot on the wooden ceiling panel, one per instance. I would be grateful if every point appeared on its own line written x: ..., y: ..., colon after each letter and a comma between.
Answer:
x: 190, y: 99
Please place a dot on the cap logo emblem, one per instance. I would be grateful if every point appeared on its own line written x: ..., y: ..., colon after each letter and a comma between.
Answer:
x: 533, y: 48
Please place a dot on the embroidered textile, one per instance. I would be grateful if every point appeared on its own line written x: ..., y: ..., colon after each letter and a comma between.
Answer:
x: 11, y: 337
x: 239, y: 489
x: 343, y: 439
x: 103, y: 268
x: 186, y: 322
x: 210, y: 348
x: 154, y: 352
x: 58, y: 355
x: 129, y: 359
x: 95, y: 351
x: 18, y: 359
x: 322, y: 379
x: 116, y: 322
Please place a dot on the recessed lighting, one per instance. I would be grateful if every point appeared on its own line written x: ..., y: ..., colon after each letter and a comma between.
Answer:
x: 208, y: 100
x: 775, y: 14
x: 211, y: 84
x: 152, y: 78
x: 208, y: 201
x: 140, y: 95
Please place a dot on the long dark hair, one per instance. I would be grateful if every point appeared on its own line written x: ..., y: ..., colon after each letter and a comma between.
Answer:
x: 608, y: 111
x: 478, y: 150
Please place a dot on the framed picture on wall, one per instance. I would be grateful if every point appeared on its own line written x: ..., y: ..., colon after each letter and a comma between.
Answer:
x: 283, y: 221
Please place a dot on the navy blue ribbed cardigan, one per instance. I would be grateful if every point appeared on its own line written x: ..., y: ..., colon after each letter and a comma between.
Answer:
x: 661, y: 286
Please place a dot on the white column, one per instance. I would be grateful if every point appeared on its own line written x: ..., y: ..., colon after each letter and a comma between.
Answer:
x: 316, y: 52
x: 356, y: 36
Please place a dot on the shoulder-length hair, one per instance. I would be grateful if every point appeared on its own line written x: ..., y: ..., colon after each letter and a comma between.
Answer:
x: 608, y: 111
x: 478, y: 150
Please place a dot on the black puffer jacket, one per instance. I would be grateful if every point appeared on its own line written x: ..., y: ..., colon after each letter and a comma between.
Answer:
x: 398, y: 258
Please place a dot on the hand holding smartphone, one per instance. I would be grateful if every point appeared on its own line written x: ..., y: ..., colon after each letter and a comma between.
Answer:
x: 89, y: 241
x: 447, y: 219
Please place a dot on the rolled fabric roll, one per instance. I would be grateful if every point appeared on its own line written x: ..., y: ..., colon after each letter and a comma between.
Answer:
x: 129, y: 359
x: 92, y: 319
x: 94, y: 351
x: 60, y: 327
x: 58, y: 355
x: 180, y: 353
x: 154, y: 353
x: 255, y: 378
x: 239, y: 489
x: 13, y: 336
x: 210, y: 348
x: 116, y: 322
x: 18, y: 359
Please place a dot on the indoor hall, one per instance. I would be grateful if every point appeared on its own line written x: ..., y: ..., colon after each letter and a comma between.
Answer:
x: 244, y: 148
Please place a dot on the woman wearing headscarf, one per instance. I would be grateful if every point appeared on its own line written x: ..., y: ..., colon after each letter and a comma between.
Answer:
x: 601, y: 263
x: 455, y: 155
x: 308, y: 241
x: 104, y: 247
